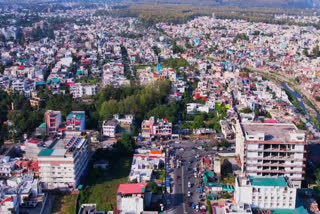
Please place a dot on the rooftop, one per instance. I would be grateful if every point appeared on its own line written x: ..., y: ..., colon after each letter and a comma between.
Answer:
x: 271, y: 131
x: 277, y: 182
x: 132, y: 188
x: 78, y: 115
x: 64, y: 146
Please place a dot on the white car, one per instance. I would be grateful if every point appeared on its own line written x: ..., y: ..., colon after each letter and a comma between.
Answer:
x: 189, y: 194
x: 189, y: 184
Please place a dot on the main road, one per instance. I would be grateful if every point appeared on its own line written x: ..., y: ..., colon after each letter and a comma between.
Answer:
x: 181, y: 176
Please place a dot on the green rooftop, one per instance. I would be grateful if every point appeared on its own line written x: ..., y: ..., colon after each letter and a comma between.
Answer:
x: 78, y: 115
x: 278, y: 182
x: 42, y: 125
x: 45, y: 152
x: 299, y: 210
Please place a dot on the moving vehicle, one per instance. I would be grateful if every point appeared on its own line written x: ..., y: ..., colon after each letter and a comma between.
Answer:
x: 189, y: 184
x: 189, y: 194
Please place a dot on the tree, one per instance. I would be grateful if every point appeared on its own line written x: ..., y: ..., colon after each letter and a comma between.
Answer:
x: 108, y: 109
x: 246, y: 110
x: 226, y: 168
x: 215, y: 126
x: 317, y: 174
x: 125, y: 145
x: 224, y: 144
x: 198, y: 122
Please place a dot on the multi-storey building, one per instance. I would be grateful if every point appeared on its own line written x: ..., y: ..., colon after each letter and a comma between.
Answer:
x: 9, y: 204
x: 127, y: 120
x: 147, y: 127
x: 130, y: 198
x: 78, y: 90
x: 265, y: 192
x: 52, y: 121
x: 76, y: 120
x: 63, y: 164
x: 19, y: 85
x: 161, y: 128
x: 272, y: 149
x: 109, y: 127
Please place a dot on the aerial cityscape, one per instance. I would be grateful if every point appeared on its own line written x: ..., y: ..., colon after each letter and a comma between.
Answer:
x: 173, y: 107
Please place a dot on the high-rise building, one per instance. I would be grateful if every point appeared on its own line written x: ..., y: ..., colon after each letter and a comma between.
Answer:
x: 272, y: 150
x: 64, y: 162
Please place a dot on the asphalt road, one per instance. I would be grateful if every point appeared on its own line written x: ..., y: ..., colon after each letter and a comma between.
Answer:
x: 185, y: 174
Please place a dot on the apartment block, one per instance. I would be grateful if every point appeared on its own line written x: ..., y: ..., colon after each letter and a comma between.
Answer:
x: 109, y: 127
x: 52, y: 121
x: 272, y: 149
x: 63, y: 164
x: 76, y: 120
x: 160, y: 128
x: 265, y: 192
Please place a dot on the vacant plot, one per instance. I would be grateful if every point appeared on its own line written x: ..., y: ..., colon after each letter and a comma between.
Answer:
x: 64, y: 204
x: 102, y: 185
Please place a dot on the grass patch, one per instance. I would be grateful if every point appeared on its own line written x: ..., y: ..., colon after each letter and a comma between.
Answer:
x: 102, y: 185
x: 64, y: 204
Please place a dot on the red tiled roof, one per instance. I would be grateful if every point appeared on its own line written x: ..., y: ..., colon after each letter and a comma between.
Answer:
x: 131, y: 188
x: 34, y: 141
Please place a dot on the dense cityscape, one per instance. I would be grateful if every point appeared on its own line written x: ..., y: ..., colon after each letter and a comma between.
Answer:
x: 103, y: 111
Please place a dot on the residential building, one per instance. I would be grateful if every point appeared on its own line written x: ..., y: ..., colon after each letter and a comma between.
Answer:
x: 109, y: 127
x: 76, y: 120
x: 7, y: 165
x: 147, y: 127
x: 53, y: 121
x: 265, y: 192
x: 9, y: 204
x: 29, y: 193
x: 130, y: 198
x: 143, y: 165
x: 32, y: 147
x: 78, y: 90
x: 162, y: 128
x: 127, y: 120
x: 63, y: 164
x: 272, y: 149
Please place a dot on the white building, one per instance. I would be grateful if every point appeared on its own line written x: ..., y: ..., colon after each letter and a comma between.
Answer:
x: 63, y: 165
x: 19, y: 85
x: 9, y: 204
x: 79, y: 90
x: 109, y: 127
x: 127, y: 120
x: 265, y: 192
x: 130, y: 198
x: 7, y: 165
x: 143, y: 165
x: 193, y: 108
x: 272, y: 149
